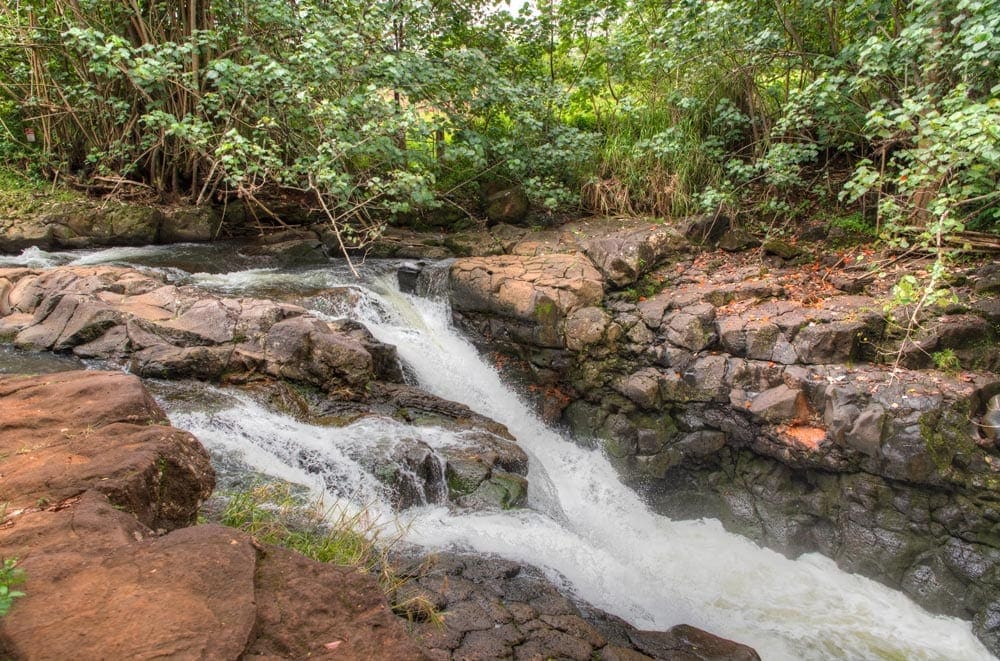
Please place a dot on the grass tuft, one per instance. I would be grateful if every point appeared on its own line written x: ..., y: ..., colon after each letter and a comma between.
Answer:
x: 273, y: 513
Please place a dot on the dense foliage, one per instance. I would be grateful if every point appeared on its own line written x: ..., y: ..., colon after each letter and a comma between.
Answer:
x: 384, y: 108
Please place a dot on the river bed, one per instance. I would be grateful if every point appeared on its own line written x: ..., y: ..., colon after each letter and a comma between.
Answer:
x: 584, y: 528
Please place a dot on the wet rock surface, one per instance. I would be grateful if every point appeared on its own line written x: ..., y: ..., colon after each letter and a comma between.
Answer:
x: 496, y: 609
x: 757, y: 395
x: 162, y: 330
x: 90, y: 469
x: 473, y: 462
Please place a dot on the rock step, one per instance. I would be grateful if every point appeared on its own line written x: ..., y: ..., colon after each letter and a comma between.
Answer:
x: 165, y: 331
x: 498, y: 609
x: 89, y: 466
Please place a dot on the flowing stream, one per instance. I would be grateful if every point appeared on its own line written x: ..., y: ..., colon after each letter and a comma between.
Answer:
x: 584, y: 528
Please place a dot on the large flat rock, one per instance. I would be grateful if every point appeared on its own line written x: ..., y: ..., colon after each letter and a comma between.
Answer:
x: 63, y: 434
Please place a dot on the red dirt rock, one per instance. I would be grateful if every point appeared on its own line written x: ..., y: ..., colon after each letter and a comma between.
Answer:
x: 86, y: 461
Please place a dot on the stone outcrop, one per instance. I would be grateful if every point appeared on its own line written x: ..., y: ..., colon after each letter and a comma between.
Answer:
x: 67, y: 433
x: 525, y: 299
x: 101, y: 494
x: 166, y: 331
x: 496, y: 609
x: 84, y: 223
x: 757, y: 397
x: 624, y: 256
x: 98, y: 491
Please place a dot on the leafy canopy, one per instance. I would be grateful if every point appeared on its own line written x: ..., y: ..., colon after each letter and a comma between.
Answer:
x: 381, y: 110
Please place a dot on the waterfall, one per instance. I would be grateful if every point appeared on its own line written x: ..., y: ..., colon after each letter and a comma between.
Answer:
x: 587, y: 530
x: 583, y: 527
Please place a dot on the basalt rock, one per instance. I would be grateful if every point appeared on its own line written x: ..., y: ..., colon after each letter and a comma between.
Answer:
x: 623, y: 257
x: 505, y: 205
x: 704, y: 229
x: 752, y: 396
x: 66, y: 433
x: 970, y: 339
x: 162, y: 330
x: 83, y: 223
x: 445, y: 454
x: 496, y: 609
x: 525, y: 299
x: 291, y: 247
x: 189, y: 224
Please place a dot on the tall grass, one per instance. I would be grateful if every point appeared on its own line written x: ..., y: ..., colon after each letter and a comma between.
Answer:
x: 658, y: 156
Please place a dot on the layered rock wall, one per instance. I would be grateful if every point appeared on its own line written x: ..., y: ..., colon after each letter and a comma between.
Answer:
x: 756, y: 395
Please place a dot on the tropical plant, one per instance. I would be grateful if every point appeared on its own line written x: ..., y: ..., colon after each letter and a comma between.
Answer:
x: 381, y: 110
x: 10, y: 576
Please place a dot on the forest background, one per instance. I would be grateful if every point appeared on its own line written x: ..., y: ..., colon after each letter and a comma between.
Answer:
x: 882, y: 114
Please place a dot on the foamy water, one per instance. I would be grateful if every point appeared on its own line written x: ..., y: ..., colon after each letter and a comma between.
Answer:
x: 583, y: 527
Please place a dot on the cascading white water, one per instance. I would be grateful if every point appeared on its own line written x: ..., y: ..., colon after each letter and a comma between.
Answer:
x: 583, y: 527
x: 587, y: 529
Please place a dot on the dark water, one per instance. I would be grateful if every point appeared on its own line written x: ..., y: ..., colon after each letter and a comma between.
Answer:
x: 16, y: 361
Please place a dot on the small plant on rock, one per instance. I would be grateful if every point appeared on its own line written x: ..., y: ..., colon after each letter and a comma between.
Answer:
x: 273, y: 513
x: 946, y: 361
x: 10, y: 575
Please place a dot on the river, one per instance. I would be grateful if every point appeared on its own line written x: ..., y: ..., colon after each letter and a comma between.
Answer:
x: 582, y: 527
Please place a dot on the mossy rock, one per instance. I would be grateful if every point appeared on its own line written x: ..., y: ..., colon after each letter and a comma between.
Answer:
x: 946, y: 436
x: 782, y: 249
x: 465, y: 476
x: 503, y: 490
x: 189, y: 224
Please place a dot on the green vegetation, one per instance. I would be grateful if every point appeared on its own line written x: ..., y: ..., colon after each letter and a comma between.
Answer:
x: 375, y: 111
x: 854, y: 223
x: 10, y: 576
x: 273, y: 513
x: 947, y: 361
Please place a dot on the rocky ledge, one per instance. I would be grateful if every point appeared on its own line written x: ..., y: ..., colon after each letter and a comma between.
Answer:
x: 750, y: 388
x: 125, y: 317
x: 497, y: 609
x: 99, y: 491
